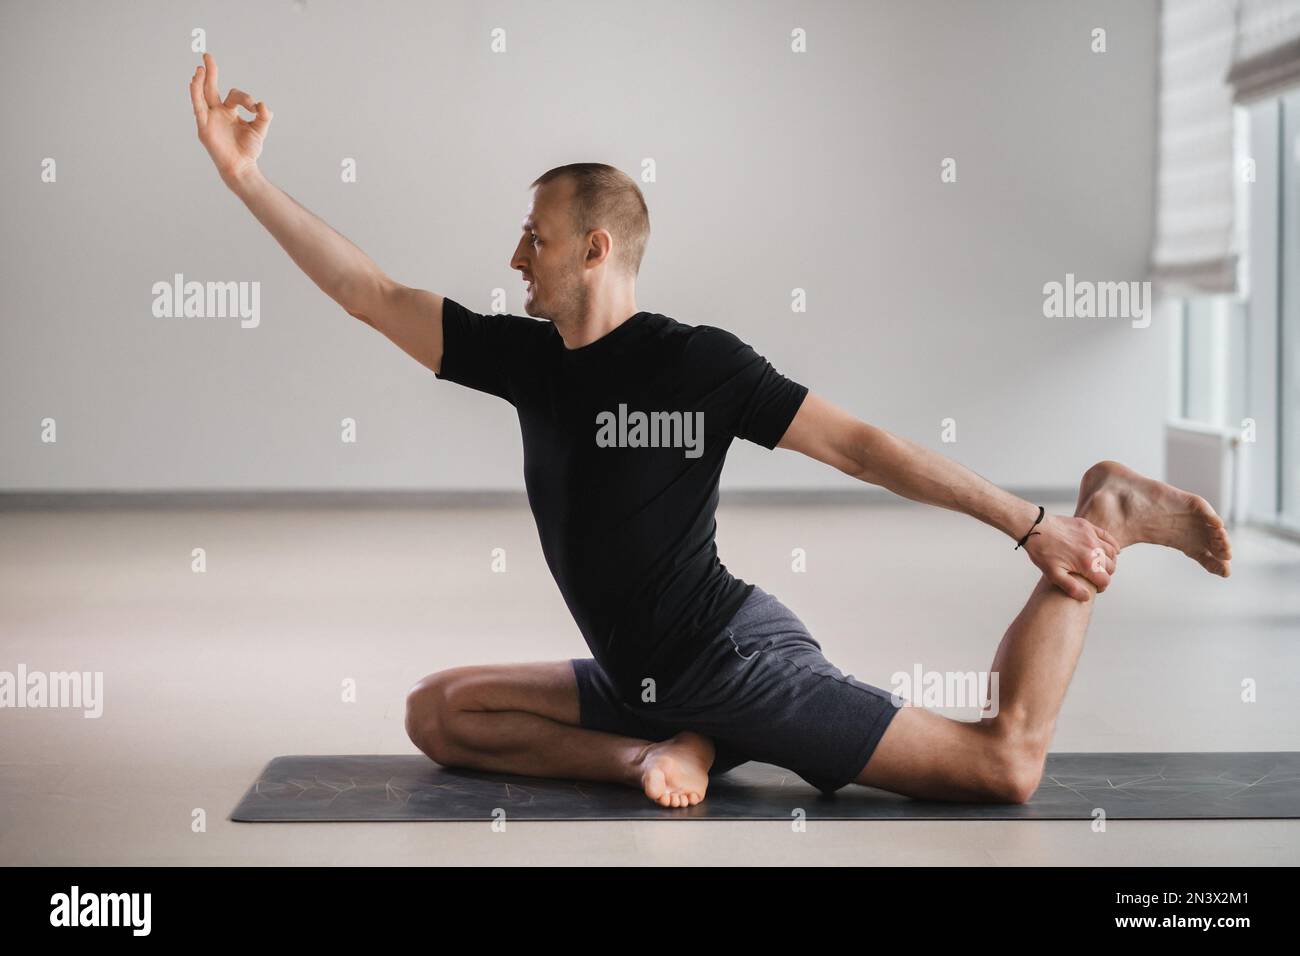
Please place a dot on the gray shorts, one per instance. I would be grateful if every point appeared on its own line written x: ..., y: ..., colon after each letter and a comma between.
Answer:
x: 762, y: 691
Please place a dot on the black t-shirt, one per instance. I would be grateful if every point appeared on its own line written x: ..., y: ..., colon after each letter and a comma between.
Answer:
x: 628, y: 528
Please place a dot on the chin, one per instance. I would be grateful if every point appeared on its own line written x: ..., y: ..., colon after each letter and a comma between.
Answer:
x: 534, y: 308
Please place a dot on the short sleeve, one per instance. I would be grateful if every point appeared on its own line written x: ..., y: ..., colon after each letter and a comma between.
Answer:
x: 755, y: 401
x: 483, y: 352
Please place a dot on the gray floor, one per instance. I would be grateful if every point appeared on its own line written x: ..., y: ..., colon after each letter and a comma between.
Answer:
x: 208, y: 676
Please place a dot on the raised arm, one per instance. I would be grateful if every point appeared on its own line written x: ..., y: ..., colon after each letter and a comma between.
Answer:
x: 1061, y: 545
x: 410, y: 318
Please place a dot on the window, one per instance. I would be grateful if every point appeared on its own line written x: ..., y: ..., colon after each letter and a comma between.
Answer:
x: 1212, y: 338
x: 1286, y: 265
x: 1238, y: 358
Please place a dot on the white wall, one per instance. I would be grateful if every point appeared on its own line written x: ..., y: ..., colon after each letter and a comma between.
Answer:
x: 775, y: 170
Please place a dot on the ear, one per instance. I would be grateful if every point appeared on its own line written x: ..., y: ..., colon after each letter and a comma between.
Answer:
x: 599, y: 246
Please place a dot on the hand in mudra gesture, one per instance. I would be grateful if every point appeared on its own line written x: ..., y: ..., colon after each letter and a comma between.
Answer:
x: 233, y: 143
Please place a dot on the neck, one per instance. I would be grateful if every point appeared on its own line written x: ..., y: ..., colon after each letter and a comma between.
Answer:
x: 595, y: 322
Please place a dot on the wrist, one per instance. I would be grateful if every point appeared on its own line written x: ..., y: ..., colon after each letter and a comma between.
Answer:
x: 244, y: 179
x: 1020, y: 519
x: 1031, y: 528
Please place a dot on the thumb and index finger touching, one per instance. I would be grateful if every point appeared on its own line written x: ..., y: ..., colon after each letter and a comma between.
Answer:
x: 262, y: 113
x: 205, y: 95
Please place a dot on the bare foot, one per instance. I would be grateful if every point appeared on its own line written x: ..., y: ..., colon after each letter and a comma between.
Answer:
x: 675, y: 773
x: 1137, y: 509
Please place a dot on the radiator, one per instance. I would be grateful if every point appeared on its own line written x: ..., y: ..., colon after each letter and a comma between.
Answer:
x: 1209, y: 461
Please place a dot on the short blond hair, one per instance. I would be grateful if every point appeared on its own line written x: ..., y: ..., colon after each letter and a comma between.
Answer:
x: 607, y: 198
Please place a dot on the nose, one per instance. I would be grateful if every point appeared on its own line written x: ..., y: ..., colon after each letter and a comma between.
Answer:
x: 519, y: 261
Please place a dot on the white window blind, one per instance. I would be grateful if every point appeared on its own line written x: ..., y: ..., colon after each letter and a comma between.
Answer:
x: 1266, y: 52
x: 1196, y: 245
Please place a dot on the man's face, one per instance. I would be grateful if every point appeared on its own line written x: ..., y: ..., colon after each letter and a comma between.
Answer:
x: 549, y: 255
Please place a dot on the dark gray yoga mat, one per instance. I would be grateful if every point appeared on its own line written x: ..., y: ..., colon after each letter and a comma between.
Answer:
x: 1127, y: 786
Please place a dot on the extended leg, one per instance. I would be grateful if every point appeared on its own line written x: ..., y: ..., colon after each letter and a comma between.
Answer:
x: 524, y: 719
x: 1001, y: 758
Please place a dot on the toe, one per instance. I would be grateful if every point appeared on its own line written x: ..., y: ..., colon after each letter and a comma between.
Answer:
x: 1217, y: 545
x: 1212, y: 564
x: 1222, y: 546
x: 1201, y: 506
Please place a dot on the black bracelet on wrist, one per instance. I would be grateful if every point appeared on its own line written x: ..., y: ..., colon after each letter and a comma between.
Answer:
x: 1032, y: 532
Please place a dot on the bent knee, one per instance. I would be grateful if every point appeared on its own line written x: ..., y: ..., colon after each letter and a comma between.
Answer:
x: 1018, y: 782
x: 429, y: 716
x: 1015, y: 765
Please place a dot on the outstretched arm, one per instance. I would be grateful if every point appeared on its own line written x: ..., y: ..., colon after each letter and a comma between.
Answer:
x: 1063, y: 545
x: 410, y: 318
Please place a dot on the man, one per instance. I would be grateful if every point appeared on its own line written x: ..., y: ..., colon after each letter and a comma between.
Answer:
x: 626, y: 418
